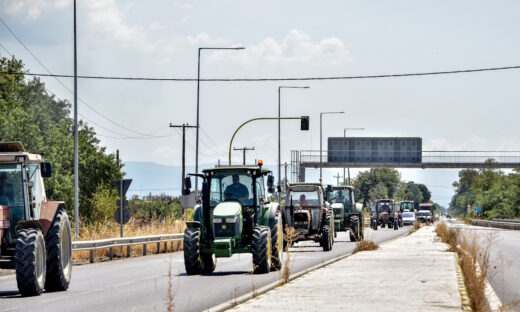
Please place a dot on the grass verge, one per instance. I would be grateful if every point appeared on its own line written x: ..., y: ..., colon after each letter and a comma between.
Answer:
x: 365, y: 245
x: 111, y: 229
x: 415, y: 227
x: 471, y: 253
x: 285, y: 273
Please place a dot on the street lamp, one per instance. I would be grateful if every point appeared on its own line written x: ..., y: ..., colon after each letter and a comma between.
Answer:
x: 198, y: 126
x: 279, y: 140
x: 321, y: 140
x: 344, y: 136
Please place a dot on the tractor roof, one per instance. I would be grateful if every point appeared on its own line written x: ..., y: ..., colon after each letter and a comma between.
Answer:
x: 10, y: 151
x: 342, y: 187
x: 304, y: 186
x: 235, y: 168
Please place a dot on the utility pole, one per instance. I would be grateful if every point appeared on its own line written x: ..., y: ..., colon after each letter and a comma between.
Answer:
x: 183, y: 126
x: 244, y: 150
x: 285, y: 178
x: 337, y: 176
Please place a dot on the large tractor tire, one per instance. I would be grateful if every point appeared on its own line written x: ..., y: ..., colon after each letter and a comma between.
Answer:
x: 355, y: 234
x: 396, y: 225
x: 209, y: 263
x: 277, y: 243
x: 59, y: 253
x: 191, y: 246
x: 30, y: 262
x: 261, y: 248
x: 326, y: 235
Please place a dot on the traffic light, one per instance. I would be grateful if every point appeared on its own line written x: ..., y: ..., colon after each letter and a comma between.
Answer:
x: 304, y: 125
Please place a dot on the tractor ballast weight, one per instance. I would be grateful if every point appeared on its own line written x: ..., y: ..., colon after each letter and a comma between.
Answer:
x: 234, y: 217
x: 33, y: 231
x: 348, y: 215
x: 309, y: 214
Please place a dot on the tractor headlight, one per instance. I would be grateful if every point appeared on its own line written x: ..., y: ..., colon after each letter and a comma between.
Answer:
x: 217, y: 220
x: 232, y: 220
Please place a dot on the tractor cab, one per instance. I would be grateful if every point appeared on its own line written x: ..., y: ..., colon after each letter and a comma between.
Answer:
x: 348, y: 215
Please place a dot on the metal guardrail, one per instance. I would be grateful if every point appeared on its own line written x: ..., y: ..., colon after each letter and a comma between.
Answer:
x: 507, y: 220
x: 497, y: 224
x: 110, y: 243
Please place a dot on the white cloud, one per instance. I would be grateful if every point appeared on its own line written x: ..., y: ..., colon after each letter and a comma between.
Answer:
x: 296, y: 48
x: 205, y: 39
x: 32, y: 9
x: 105, y: 17
x: 155, y: 26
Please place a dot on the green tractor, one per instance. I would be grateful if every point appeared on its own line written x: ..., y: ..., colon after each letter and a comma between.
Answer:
x: 234, y: 217
x: 34, y: 232
x: 348, y: 215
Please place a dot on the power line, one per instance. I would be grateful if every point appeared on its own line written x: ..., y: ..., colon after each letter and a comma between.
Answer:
x: 397, y: 75
x: 50, y: 74
x: 5, y: 49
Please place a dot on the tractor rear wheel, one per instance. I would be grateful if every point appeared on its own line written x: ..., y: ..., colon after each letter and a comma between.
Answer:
x: 30, y: 262
x: 277, y: 243
x: 59, y: 253
x: 326, y: 237
x: 191, y: 248
x: 261, y: 249
x: 354, y: 225
x: 209, y: 262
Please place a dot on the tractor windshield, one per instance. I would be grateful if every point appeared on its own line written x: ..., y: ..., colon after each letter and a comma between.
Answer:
x: 231, y: 186
x: 406, y: 205
x: 305, y: 198
x: 339, y: 196
x: 11, y: 193
x: 384, y: 207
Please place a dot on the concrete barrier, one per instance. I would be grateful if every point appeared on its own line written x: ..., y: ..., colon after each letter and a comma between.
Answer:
x: 497, y: 224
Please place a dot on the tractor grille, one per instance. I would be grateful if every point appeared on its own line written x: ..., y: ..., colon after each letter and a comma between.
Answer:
x: 301, y: 220
x: 337, y: 213
x: 226, y: 229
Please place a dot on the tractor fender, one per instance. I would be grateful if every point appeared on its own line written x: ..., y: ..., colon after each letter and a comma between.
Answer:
x: 49, y: 209
x: 192, y: 224
x: 269, y: 217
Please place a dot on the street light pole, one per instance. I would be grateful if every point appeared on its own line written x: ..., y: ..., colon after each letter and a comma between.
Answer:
x: 344, y: 136
x: 321, y: 140
x: 279, y: 136
x: 76, y: 162
x: 198, y: 125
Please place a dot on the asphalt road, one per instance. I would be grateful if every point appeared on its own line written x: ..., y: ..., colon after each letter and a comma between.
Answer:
x: 504, y: 260
x: 141, y: 283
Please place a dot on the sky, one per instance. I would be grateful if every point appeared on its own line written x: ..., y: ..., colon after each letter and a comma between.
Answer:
x: 282, y: 39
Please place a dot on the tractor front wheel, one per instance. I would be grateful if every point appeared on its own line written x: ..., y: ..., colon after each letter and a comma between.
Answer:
x: 30, y: 262
x: 355, y: 234
x: 59, y: 253
x: 396, y: 225
x: 209, y: 263
x: 261, y: 248
x: 191, y: 248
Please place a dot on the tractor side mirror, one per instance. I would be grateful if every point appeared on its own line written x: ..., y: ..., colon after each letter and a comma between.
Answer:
x: 46, y: 169
x: 270, y: 184
x: 357, y: 193
x: 187, y: 186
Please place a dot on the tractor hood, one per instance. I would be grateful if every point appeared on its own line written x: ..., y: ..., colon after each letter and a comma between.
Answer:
x: 227, y: 210
x: 336, y: 206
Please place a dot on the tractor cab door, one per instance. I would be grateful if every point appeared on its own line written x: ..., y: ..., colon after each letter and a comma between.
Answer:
x: 36, y: 190
x: 12, y: 194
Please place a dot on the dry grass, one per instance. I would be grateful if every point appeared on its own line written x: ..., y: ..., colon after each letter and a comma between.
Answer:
x: 415, y: 227
x: 365, y: 245
x: 170, y: 295
x: 110, y: 229
x: 289, y: 237
x: 473, y: 260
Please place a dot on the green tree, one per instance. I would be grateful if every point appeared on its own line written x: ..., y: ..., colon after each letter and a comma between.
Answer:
x: 368, y: 180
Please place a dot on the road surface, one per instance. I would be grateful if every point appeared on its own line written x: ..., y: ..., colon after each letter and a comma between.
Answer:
x: 141, y: 283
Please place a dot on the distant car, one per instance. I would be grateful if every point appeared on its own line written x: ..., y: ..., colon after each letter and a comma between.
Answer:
x: 424, y: 216
x: 408, y: 218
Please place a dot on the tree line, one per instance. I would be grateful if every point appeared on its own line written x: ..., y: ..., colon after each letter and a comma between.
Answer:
x: 42, y: 122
